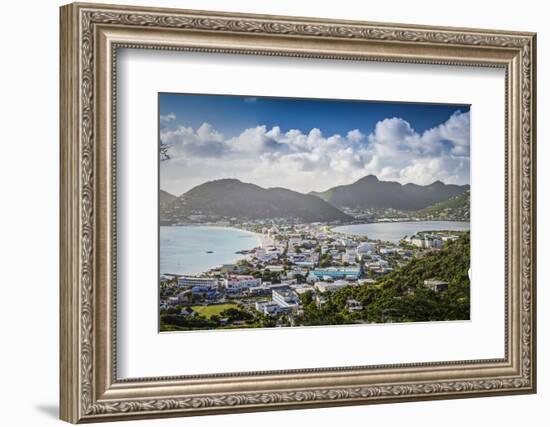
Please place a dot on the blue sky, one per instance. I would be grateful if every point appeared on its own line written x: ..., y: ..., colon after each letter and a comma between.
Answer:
x: 310, y: 144
x: 231, y: 114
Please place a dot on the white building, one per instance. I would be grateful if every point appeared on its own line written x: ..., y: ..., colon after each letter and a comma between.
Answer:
x: 417, y: 241
x: 266, y: 256
x: 348, y: 243
x: 364, y: 248
x: 205, y: 282
x: 269, y: 308
x: 259, y: 290
x: 350, y: 256
x: 275, y: 268
x: 307, y: 263
x: 302, y: 288
x: 323, y: 287
x: 240, y: 282
x: 305, y: 259
x: 285, y: 297
x: 450, y: 238
x: 436, y: 285
x: 173, y: 300
x: 427, y: 241
x: 433, y: 241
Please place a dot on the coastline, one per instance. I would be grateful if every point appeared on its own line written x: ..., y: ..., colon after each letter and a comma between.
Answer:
x: 237, y: 257
x: 347, y: 224
x: 262, y: 239
x: 332, y: 229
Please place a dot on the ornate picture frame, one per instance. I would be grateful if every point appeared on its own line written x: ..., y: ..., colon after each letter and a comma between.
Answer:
x: 90, y: 37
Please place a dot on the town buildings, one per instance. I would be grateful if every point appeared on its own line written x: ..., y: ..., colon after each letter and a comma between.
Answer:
x: 293, y: 261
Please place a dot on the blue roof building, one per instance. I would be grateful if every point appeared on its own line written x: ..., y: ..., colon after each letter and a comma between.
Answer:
x: 335, y: 273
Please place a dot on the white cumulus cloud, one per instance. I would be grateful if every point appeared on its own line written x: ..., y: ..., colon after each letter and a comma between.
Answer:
x: 312, y: 161
x: 168, y: 117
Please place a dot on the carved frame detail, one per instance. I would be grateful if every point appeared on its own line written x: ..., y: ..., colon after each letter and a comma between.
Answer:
x: 82, y: 399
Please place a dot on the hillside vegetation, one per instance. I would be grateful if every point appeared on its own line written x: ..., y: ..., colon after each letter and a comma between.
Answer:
x: 370, y: 192
x: 231, y: 198
x: 400, y: 295
x: 457, y: 207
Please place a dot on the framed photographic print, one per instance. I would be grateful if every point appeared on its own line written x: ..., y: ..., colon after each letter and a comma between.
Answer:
x: 265, y: 212
x: 237, y: 253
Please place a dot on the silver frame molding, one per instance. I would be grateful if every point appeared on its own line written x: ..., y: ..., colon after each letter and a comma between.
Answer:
x: 90, y: 37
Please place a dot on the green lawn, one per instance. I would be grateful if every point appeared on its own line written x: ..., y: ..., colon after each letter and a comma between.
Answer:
x: 212, y: 310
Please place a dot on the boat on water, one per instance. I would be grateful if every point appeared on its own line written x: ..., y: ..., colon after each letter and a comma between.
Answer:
x: 209, y: 252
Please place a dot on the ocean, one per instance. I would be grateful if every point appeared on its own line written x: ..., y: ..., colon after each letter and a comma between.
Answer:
x: 395, y: 231
x: 185, y: 249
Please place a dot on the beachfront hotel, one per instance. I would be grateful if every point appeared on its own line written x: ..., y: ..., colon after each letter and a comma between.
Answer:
x: 192, y: 281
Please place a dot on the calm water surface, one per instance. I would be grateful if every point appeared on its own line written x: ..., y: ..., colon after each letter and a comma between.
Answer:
x: 184, y: 250
x: 395, y: 231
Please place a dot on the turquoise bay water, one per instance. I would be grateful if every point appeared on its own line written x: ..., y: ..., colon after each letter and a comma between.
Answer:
x: 395, y: 231
x: 183, y: 250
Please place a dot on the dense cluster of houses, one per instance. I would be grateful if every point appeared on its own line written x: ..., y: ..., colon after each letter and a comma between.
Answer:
x: 300, y: 258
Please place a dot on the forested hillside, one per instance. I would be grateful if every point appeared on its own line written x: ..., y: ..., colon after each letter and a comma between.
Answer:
x: 400, y: 296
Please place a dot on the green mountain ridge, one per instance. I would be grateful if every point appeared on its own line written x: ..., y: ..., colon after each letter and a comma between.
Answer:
x: 165, y: 197
x: 370, y: 192
x: 231, y: 198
